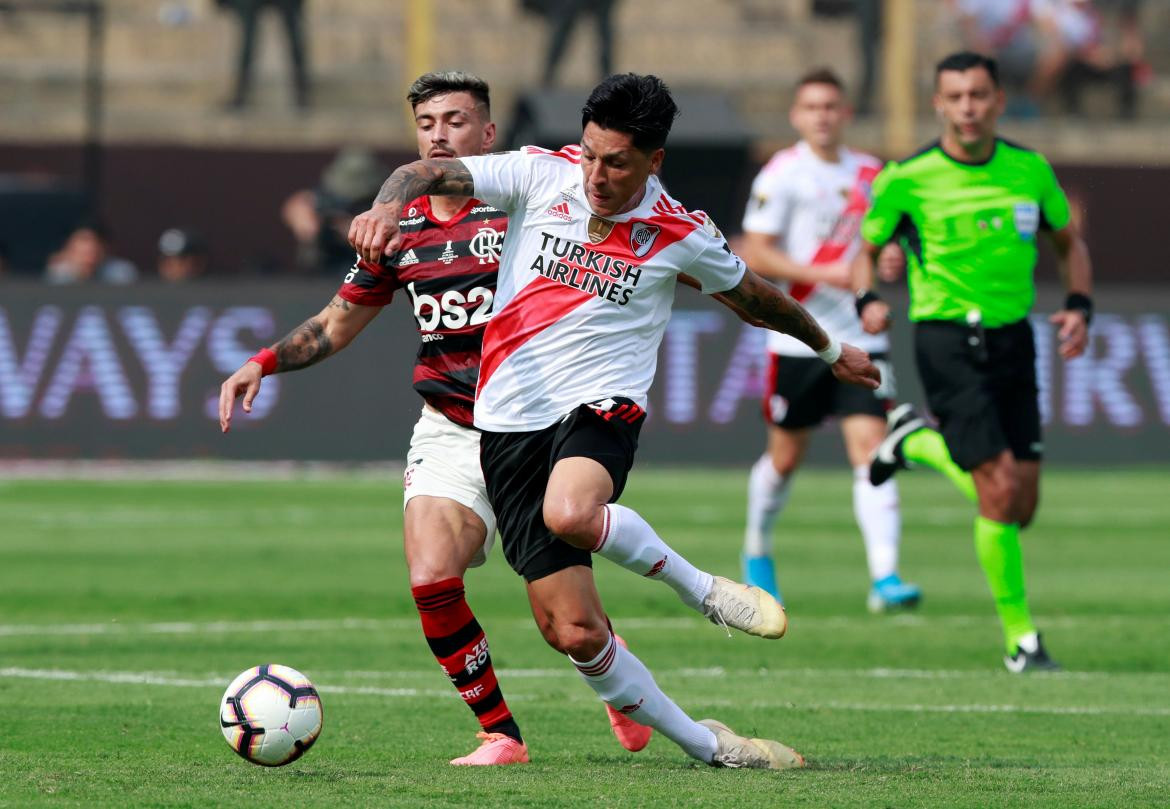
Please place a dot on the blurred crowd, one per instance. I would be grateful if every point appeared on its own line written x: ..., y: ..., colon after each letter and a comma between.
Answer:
x: 1054, y: 49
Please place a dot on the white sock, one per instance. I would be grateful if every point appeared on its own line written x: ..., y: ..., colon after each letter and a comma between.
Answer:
x: 880, y: 521
x: 767, y: 496
x: 630, y: 541
x: 627, y: 686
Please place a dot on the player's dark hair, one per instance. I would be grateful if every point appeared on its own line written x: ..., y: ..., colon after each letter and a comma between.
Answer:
x: 821, y: 75
x: 640, y: 106
x: 968, y: 60
x: 445, y: 82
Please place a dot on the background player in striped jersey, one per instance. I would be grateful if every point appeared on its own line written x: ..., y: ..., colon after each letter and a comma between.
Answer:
x: 447, y: 265
x: 801, y: 230
x: 587, y: 278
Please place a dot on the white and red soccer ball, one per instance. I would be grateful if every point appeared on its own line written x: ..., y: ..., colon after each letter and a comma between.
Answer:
x: 270, y: 715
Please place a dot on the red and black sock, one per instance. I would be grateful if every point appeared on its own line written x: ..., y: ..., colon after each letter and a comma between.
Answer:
x: 459, y: 645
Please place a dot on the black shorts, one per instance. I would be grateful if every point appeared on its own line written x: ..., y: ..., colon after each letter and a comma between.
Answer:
x: 802, y: 392
x: 985, y: 399
x: 516, y: 469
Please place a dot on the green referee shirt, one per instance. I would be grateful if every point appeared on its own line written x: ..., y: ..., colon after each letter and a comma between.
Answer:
x: 969, y: 229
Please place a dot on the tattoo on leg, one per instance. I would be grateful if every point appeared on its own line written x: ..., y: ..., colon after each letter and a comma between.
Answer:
x: 303, y: 346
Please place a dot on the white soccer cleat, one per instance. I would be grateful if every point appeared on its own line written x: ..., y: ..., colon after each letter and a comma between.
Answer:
x: 758, y: 754
x: 744, y: 607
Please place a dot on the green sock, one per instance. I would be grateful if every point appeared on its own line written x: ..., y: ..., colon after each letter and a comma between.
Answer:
x: 998, y: 547
x: 926, y: 447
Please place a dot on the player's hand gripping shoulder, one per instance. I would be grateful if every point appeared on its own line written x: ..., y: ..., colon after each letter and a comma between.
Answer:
x: 375, y: 232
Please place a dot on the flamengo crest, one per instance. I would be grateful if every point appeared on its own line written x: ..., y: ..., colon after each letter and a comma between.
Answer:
x: 485, y: 245
x: 642, y: 238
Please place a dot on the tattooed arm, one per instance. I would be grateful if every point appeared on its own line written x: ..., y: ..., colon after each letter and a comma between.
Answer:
x: 765, y: 305
x: 376, y: 231
x: 317, y: 338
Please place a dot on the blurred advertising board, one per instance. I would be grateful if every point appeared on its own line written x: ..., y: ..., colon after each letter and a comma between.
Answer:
x: 134, y: 372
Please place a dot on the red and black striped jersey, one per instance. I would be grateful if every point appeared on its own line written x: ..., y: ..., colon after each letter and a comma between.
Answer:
x: 448, y: 270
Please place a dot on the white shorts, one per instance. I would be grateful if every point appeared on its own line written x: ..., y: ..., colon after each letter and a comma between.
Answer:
x: 443, y: 461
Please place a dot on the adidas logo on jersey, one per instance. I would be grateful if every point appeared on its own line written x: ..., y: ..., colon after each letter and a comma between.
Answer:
x: 560, y: 211
x: 408, y: 258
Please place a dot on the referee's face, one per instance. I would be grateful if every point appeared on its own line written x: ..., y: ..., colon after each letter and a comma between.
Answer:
x: 615, y: 170
x: 969, y: 104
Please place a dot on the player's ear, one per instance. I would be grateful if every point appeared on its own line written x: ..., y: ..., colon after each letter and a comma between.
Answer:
x: 489, y: 136
x: 656, y: 159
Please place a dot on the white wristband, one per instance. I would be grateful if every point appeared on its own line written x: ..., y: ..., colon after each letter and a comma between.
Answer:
x: 832, y: 352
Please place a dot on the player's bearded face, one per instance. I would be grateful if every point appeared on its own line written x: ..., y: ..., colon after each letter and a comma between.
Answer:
x: 819, y: 114
x: 614, y: 170
x: 453, y: 125
x: 969, y: 104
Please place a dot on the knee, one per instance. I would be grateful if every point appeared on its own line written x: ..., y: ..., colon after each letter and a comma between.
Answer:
x: 431, y: 571
x: 572, y: 521
x: 1000, y: 493
x: 785, y: 465
x: 579, y: 640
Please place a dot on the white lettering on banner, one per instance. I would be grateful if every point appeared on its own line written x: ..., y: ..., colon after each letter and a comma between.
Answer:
x: 1094, y: 377
x: 228, y: 353
x: 681, y: 383
x: 1155, y: 341
x: 164, y: 365
x: 90, y: 361
x: 745, y: 377
x: 19, y: 378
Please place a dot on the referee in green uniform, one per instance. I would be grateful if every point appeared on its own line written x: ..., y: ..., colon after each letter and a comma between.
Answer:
x: 967, y: 209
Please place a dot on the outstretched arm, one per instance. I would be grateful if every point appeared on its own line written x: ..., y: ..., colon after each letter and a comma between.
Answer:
x: 767, y: 305
x: 317, y: 338
x: 376, y: 231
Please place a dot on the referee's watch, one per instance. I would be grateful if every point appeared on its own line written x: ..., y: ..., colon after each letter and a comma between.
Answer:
x: 1080, y: 302
x: 864, y: 298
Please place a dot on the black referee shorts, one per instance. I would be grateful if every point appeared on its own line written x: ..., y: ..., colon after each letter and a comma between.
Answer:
x: 985, y: 399
x: 517, y: 466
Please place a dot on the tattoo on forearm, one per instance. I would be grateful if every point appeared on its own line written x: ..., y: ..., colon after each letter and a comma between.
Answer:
x: 305, y: 345
x: 781, y: 313
x: 443, y: 177
x: 339, y: 303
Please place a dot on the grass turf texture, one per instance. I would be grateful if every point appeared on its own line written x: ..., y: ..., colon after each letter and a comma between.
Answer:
x: 127, y: 607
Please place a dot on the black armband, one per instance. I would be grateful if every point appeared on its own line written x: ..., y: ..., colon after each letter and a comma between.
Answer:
x: 864, y: 298
x: 1079, y: 302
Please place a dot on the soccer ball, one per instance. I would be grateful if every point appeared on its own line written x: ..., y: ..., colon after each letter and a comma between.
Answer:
x: 270, y: 715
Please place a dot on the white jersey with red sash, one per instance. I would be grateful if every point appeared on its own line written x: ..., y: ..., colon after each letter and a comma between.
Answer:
x: 815, y: 209
x: 581, y: 302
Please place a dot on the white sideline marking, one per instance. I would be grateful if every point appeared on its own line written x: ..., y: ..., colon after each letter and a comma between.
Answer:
x: 623, y: 623
x: 156, y: 679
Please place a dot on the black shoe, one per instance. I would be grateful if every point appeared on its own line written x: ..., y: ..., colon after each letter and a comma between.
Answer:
x: 1021, y: 661
x: 888, y: 458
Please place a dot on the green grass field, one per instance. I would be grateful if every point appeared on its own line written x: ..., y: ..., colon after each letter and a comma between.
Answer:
x: 125, y: 609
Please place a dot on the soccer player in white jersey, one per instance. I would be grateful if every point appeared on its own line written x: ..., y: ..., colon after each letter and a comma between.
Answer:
x: 585, y: 287
x: 801, y: 230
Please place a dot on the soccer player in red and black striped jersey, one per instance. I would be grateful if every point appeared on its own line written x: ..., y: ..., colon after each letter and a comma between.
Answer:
x: 447, y: 266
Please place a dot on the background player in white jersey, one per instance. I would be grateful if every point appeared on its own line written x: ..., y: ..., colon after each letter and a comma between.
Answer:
x: 450, y: 256
x: 801, y: 230
x: 595, y: 247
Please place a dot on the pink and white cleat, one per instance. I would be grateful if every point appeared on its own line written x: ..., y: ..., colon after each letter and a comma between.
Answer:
x: 495, y: 749
x: 629, y: 733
